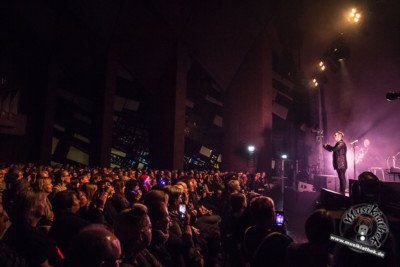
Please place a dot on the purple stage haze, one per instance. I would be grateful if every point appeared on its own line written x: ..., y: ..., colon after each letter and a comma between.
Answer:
x: 355, y: 95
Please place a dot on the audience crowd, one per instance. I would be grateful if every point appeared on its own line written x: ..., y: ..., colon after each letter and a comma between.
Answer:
x: 81, y: 216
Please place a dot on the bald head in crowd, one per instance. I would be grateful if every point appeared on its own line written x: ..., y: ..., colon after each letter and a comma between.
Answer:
x: 94, y: 246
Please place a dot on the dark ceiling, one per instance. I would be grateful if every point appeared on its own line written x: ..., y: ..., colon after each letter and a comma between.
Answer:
x: 143, y: 35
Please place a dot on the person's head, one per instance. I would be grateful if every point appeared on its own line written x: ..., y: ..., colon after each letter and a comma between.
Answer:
x: 366, y: 189
x: 192, y: 185
x: 62, y: 176
x: 43, y: 174
x: 119, y: 186
x: 95, y: 178
x: 2, y: 173
x: 45, y: 185
x: 132, y: 185
x: 90, y: 190
x: 133, y: 228
x: 65, y: 201
x: 234, y: 186
x: 11, y: 178
x: 83, y: 201
x: 155, y: 196
x: 94, y: 246
x: 338, y: 136
x: 84, y: 178
x: 105, y: 186
x: 159, y: 217
x: 319, y: 226
x: 263, y: 211
x: 238, y: 202
x: 175, y: 196
x: 30, y: 207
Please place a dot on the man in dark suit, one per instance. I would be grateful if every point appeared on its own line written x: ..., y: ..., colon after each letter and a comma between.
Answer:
x: 339, y: 159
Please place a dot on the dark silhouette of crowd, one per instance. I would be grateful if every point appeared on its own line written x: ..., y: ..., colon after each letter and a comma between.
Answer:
x: 88, y: 216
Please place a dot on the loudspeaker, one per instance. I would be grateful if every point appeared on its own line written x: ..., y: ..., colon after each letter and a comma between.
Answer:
x: 326, y: 181
x: 304, y: 187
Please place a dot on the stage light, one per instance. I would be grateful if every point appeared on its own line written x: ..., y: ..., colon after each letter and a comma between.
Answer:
x: 319, y: 78
x: 339, y: 49
x: 322, y: 66
x: 314, y: 82
x: 284, y: 156
x: 392, y: 96
x: 251, y: 148
x: 354, y: 16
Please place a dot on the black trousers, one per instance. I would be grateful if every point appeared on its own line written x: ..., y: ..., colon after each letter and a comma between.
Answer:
x: 342, y: 180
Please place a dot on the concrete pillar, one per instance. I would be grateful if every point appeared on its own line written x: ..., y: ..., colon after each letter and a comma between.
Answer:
x: 38, y: 80
x: 103, y: 111
x: 167, y: 137
x: 248, y: 111
x: 49, y: 112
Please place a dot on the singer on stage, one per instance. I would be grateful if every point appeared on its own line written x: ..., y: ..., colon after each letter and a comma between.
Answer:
x: 339, y: 159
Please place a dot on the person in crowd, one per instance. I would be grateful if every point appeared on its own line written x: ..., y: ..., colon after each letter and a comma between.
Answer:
x: 233, y: 227
x: 133, y: 228
x: 94, y: 246
x: 234, y: 186
x: 3, y: 172
x: 132, y: 191
x: 86, y: 194
x: 15, y: 186
x: 144, y: 181
x: 160, y: 221
x: 62, y: 179
x: 154, y: 197
x: 367, y: 189
x: 180, y: 243
x: 84, y: 178
x: 67, y: 223
x: 265, y: 234
x: 257, y: 183
x: 8, y: 257
x: 101, y: 210
x: 44, y: 184
x: 118, y: 199
x: 318, y: 250
x: 25, y: 238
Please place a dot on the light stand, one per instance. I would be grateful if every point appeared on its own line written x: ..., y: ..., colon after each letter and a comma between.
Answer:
x: 283, y: 179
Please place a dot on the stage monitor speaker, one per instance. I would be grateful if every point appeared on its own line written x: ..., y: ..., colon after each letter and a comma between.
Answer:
x: 326, y: 181
x: 332, y: 200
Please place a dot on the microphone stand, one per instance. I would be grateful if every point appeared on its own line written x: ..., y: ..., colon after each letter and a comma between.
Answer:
x: 354, y: 159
